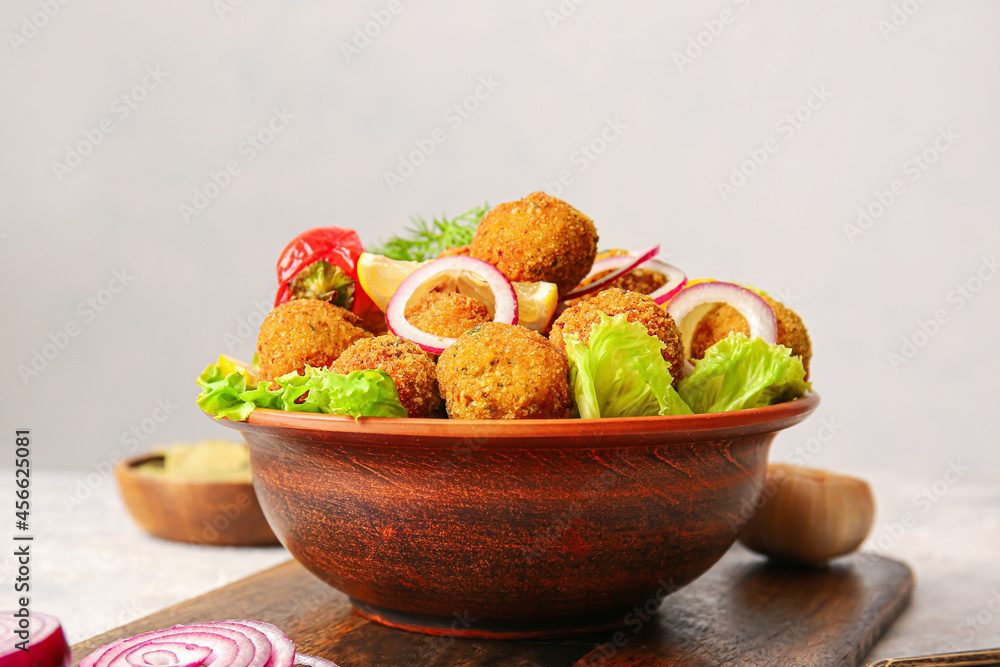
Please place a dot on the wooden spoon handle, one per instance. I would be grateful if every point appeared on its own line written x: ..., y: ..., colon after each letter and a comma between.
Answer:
x: 963, y: 659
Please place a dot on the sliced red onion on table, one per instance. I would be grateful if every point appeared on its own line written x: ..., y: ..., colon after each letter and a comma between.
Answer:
x: 504, y: 297
x: 40, y: 633
x: 233, y: 643
x: 267, y: 640
x: 168, y: 653
x: 225, y: 647
x: 312, y: 661
x: 693, y: 302
x: 630, y: 262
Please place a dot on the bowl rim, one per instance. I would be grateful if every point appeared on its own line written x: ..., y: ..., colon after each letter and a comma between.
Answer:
x: 398, y: 431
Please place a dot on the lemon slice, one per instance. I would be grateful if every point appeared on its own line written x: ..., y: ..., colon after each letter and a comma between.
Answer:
x: 229, y: 365
x: 380, y: 276
x: 536, y: 303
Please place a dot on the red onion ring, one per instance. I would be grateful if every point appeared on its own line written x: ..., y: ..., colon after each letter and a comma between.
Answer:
x: 630, y: 262
x: 264, y: 643
x: 608, y: 263
x: 225, y: 647
x: 676, y: 280
x: 177, y: 654
x: 46, y: 642
x: 504, y: 297
x: 282, y: 648
x: 232, y: 643
x: 691, y: 303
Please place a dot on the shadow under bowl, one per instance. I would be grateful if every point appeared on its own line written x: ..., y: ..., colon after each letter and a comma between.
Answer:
x: 191, y: 510
x: 510, y: 529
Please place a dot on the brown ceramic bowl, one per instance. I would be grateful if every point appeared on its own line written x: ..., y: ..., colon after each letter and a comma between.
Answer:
x: 194, y: 511
x: 510, y: 529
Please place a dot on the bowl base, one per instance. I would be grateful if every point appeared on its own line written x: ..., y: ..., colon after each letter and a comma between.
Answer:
x: 466, y: 626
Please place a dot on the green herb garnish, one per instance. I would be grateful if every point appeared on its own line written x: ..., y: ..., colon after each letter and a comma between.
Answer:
x: 425, y: 240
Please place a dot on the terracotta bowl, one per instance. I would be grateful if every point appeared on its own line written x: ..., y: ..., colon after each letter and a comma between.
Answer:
x: 510, y: 529
x: 194, y: 511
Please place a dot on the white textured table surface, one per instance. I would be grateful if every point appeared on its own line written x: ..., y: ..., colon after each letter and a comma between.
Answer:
x: 95, y: 569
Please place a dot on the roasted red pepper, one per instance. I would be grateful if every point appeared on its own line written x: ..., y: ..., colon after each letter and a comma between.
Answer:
x: 341, y: 248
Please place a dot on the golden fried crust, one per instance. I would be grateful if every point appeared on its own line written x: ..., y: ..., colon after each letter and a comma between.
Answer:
x: 504, y: 371
x: 446, y: 314
x: 304, y: 332
x: 454, y: 250
x: 636, y: 307
x: 411, y: 369
x: 538, y: 238
x: 642, y: 281
x: 724, y: 319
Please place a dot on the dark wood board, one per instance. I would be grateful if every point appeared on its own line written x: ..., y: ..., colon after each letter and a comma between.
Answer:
x: 745, y: 611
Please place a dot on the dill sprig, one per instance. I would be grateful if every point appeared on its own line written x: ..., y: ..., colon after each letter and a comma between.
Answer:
x: 424, y: 240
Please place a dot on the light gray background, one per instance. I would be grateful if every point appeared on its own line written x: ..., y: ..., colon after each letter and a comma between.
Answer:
x: 192, y: 285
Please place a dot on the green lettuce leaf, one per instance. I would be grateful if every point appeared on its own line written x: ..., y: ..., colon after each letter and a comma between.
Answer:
x: 739, y: 372
x: 220, y: 394
x: 621, y: 372
x: 366, y: 393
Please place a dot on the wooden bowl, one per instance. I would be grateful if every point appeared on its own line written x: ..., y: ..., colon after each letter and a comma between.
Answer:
x: 194, y: 511
x: 511, y: 529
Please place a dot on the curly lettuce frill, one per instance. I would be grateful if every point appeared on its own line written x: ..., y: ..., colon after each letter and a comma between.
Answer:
x: 365, y: 393
x: 739, y: 373
x: 621, y: 373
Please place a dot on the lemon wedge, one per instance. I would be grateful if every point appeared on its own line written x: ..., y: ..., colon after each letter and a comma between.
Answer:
x: 233, y: 365
x: 380, y: 276
x: 536, y: 304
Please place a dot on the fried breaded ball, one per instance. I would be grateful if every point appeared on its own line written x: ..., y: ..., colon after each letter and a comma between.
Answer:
x: 445, y: 313
x: 454, y: 250
x: 304, y: 332
x: 643, y: 281
x: 538, y: 238
x: 504, y: 371
x: 636, y: 307
x: 724, y: 319
x: 411, y: 369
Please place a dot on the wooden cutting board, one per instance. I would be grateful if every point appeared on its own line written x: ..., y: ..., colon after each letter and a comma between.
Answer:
x: 745, y: 611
